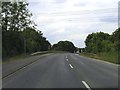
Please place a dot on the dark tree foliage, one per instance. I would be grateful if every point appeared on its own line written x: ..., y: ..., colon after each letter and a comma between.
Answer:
x: 19, y: 34
x: 115, y: 38
x: 103, y: 42
x: 12, y: 43
x: 35, y: 40
x: 98, y: 42
x: 116, y: 41
x: 64, y: 46
x: 15, y: 16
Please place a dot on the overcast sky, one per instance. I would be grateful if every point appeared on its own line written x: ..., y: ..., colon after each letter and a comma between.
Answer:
x: 73, y: 20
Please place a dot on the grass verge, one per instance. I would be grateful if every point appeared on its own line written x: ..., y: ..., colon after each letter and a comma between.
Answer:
x: 22, y: 56
x: 109, y: 57
x: 17, y: 57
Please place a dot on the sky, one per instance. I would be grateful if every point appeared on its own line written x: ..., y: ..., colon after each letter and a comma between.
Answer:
x: 73, y: 20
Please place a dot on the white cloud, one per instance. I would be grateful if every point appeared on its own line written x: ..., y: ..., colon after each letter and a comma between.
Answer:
x: 73, y: 19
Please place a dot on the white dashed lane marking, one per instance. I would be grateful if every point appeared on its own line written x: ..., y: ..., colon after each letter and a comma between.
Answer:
x: 67, y: 59
x: 86, y: 85
x: 70, y: 65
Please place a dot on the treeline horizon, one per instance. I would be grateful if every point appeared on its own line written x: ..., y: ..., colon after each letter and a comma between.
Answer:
x: 20, y: 35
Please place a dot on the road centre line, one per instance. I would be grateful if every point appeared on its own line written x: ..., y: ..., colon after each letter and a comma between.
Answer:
x: 67, y: 59
x: 70, y: 65
x: 86, y: 85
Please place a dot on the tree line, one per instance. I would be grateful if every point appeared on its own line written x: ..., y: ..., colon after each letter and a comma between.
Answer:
x: 19, y: 32
x: 101, y: 42
x: 20, y: 35
x: 64, y: 46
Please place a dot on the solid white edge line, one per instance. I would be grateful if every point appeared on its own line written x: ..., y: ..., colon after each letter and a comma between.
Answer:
x: 71, y: 66
x: 86, y: 85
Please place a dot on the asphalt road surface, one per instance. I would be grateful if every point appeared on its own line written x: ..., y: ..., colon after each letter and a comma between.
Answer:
x: 64, y: 70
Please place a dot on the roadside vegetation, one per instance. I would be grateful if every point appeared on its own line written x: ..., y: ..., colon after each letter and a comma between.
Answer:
x: 19, y: 33
x: 103, y: 46
x: 109, y: 57
x: 21, y: 37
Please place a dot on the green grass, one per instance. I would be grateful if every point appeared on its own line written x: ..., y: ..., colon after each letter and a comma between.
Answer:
x: 109, y: 57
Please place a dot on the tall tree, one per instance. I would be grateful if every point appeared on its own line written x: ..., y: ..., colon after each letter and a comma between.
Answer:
x: 5, y: 15
x: 15, y: 16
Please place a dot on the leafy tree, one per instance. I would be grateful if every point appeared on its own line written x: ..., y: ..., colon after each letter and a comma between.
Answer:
x: 104, y: 44
x: 12, y: 44
x: 108, y: 46
x: 116, y: 41
x: 115, y: 38
x: 15, y: 16
x: 64, y: 46
x: 35, y: 40
x: 94, y: 42
x: 5, y: 15
x: 18, y: 31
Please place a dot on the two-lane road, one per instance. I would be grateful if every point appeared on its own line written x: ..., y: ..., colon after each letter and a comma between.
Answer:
x: 65, y: 70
